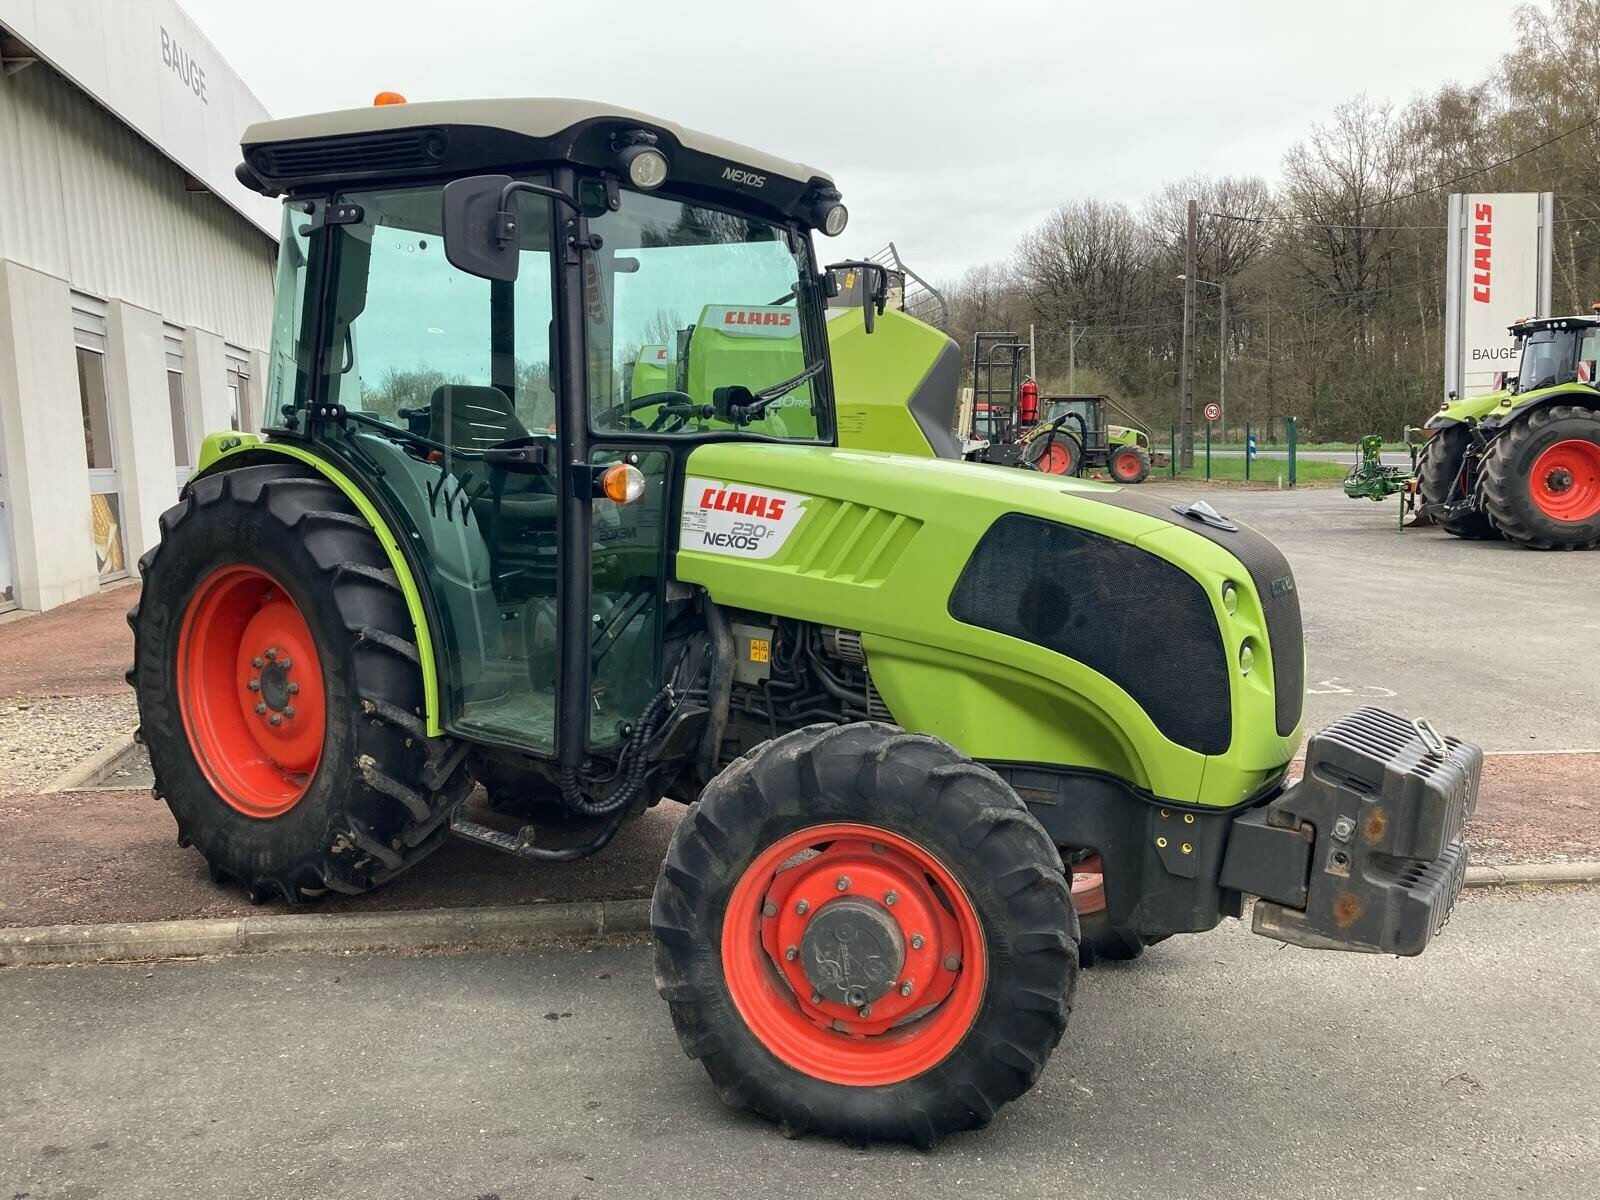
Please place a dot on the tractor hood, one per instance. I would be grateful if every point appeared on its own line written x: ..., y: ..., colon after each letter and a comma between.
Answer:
x: 1056, y: 611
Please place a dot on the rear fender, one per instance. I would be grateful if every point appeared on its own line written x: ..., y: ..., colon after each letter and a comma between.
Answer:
x: 229, y: 451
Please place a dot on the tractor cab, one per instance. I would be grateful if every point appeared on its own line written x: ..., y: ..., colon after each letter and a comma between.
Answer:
x: 1556, y: 350
x: 515, y: 364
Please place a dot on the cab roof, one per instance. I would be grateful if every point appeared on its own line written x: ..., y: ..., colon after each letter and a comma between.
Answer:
x: 1534, y: 324
x: 448, y: 138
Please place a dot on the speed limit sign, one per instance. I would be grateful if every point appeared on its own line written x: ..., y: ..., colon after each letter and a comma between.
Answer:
x: 1213, y: 411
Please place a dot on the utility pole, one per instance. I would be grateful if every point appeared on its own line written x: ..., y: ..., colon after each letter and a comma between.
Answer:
x: 1033, y: 362
x: 1222, y: 360
x: 1072, y: 358
x: 1186, y: 402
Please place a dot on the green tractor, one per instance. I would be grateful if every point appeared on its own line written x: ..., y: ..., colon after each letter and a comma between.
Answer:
x: 1523, y: 461
x: 1073, y: 436
x: 904, y: 698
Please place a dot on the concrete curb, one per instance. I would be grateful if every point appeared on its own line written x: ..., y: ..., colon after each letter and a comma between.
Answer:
x: 457, y: 928
x: 85, y: 769
x: 1574, y: 872
x: 505, y: 925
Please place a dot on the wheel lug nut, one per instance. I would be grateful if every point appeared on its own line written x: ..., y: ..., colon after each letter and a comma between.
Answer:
x: 816, y: 997
x: 802, y: 908
x: 286, y: 663
x: 905, y: 988
x: 916, y: 941
x: 953, y: 963
x: 258, y: 662
x: 842, y: 883
x: 272, y: 652
x: 274, y: 719
x: 865, y: 1011
x: 288, y: 711
x: 294, y: 689
x: 261, y: 710
x: 792, y: 953
x: 769, y: 909
x: 254, y: 685
x: 891, y: 899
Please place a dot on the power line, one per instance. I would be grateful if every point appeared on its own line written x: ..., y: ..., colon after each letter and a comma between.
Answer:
x: 1311, y: 224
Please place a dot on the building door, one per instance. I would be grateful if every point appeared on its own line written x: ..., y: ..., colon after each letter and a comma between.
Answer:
x: 105, y: 484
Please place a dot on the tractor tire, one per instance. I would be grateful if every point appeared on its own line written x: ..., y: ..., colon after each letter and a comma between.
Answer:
x: 1061, y: 455
x: 280, y: 693
x: 1129, y: 465
x: 1541, y: 484
x: 929, y: 867
x: 1437, y: 472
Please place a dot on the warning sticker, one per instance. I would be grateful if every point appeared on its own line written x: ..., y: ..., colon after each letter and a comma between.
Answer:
x: 737, y: 519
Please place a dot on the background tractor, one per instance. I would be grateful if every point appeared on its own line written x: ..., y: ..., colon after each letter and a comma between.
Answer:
x: 902, y: 695
x: 1073, y: 436
x: 1523, y: 462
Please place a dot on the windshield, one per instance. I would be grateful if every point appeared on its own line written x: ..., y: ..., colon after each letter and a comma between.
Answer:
x: 1548, y: 358
x: 682, y: 302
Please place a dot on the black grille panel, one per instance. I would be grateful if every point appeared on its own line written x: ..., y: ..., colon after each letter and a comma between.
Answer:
x: 345, y: 157
x: 1274, y: 583
x: 1140, y: 621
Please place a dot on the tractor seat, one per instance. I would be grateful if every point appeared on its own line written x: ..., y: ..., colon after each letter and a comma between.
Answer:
x: 468, y: 417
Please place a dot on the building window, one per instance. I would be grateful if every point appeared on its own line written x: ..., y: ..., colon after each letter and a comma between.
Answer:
x: 243, y: 417
x: 99, y: 444
x: 96, y: 409
x: 182, y: 455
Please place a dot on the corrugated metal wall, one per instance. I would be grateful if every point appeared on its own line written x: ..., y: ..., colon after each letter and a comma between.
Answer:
x: 84, y: 198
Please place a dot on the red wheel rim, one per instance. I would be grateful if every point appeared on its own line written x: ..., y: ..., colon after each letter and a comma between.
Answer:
x: 1056, y: 459
x: 1125, y: 466
x: 1565, y: 481
x: 250, y: 691
x: 785, y: 895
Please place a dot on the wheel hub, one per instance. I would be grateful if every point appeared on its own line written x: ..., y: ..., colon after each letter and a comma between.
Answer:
x: 1558, y: 480
x: 273, y: 683
x: 852, y: 952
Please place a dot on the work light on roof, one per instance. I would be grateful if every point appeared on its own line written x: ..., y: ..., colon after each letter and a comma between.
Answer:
x: 645, y: 166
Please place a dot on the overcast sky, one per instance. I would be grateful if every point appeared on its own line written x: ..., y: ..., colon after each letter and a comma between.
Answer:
x: 951, y: 126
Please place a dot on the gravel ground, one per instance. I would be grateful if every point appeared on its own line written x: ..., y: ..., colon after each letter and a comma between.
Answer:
x: 42, y: 737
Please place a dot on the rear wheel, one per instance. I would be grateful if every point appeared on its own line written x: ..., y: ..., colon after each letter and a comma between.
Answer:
x: 1445, y: 476
x: 279, y: 690
x: 1061, y: 456
x: 1542, y: 479
x: 861, y: 933
x: 1129, y: 464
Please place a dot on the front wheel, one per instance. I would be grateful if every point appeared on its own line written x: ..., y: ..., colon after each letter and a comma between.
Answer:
x: 1446, y: 475
x: 1129, y: 464
x: 862, y: 933
x: 1541, y: 481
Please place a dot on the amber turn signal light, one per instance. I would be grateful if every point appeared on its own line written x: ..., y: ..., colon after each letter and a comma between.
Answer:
x: 388, y: 98
x: 622, y: 482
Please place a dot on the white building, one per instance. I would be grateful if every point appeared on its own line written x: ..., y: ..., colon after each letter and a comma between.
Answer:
x: 136, y: 282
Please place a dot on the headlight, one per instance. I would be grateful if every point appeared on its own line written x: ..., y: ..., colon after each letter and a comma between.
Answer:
x: 1230, y: 598
x: 1247, y: 657
x: 834, y: 218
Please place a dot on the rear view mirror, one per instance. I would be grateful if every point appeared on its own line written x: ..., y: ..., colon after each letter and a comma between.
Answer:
x: 872, y: 286
x: 476, y: 239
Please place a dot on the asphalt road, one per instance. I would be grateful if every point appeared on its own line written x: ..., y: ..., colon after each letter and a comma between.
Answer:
x: 1220, y: 1065
x: 1488, y: 641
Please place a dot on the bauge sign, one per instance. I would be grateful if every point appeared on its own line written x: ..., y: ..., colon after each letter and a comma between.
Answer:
x: 737, y: 519
x: 1498, y: 272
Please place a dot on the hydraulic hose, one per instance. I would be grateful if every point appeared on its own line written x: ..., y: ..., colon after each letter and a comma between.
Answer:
x: 720, y: 692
